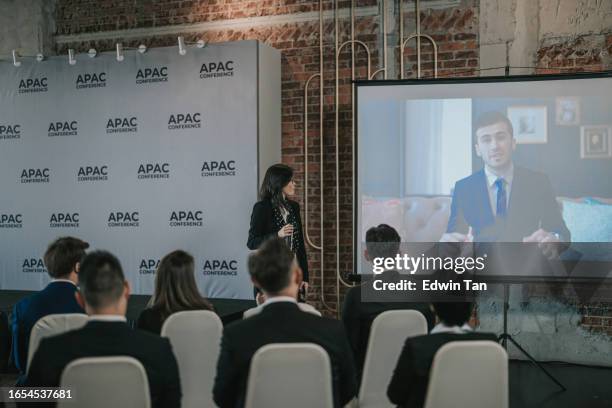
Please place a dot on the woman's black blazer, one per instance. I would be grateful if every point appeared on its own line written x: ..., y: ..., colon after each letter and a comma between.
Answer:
x: 263, y: 227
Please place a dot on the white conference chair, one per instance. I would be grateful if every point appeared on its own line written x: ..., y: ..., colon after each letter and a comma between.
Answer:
x: 296, y: 375
x: 387, y: 336
x: 195, y: 336
x: 52, y: 325
x: 485, y: 386
x: 102, y: 382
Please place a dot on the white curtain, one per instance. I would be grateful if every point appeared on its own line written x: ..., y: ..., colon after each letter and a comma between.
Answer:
x: 422, y: 130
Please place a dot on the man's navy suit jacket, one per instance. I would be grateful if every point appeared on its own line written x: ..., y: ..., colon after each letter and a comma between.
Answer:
x: 532, y: 205
x: 57, y: 297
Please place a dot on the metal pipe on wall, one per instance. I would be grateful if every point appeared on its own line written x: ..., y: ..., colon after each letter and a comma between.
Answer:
x: 417, y: 36
x: 337, y: 51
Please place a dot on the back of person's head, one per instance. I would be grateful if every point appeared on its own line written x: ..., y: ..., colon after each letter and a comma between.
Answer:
x: 62, y: 256
x: 272, y: 266
x: 101, y: 280
x: 382, y: 241
x: 492, y: 118
x: 175, y: 285
x: 453, y: 308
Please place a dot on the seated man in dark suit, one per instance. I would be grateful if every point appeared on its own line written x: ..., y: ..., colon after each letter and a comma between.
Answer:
x: 275, y: 271
x: 104, y: 294
x: 503, y: 202
x: 359, y: 311
x: 62, y: 261
x: 408, y: 385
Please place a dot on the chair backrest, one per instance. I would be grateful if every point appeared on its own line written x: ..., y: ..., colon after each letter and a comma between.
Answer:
x: 387, y: 336
x: 296, y: 375
x: 102, y: 382
x: 486, y: 385
x: 195, y: 336
x: 52, y: 325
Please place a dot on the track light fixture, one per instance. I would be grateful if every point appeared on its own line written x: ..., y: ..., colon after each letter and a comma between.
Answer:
x: 181, y: 45
x: 71, y: 59
x: 120, y: 56
x: 16, y: 61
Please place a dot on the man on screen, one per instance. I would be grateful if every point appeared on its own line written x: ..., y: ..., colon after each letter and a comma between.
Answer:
x: 503, y: 202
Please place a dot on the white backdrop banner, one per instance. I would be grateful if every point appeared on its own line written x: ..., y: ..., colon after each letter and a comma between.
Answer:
x: 140, y: 157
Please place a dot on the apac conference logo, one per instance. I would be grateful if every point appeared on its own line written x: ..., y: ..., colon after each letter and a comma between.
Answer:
x: 63, y: 128
x: 87, y: 81
x: 11, y: 221
x: 32, y: 85
x: 219, y: 168
x: 35, y: 175
x: 93, y: 173
x: 33, y: 265
x: 220, y: 267
x: 186, y: 218
x: 64, y: 220
x: 122, y: 125
x: 185, y: 121
x: 154, y: 171
x: 152, y: 75
x: 10, y: 132
x: 219, y: 69
x: 123, y: 219
x: 148, y: 266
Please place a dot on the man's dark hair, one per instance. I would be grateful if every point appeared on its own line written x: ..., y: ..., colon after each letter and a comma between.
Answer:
x: 382, y: 241
x: 62, y: 255
x: 453, y: 308
x: 101, y: 279
x: 491, y: 118
x: 270, y: 265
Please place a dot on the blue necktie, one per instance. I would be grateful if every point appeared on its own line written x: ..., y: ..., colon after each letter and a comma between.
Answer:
x: 501, y: 197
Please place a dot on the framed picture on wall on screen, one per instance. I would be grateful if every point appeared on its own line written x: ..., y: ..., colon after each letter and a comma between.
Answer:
x: 530, y: 123
x: 595, y: 142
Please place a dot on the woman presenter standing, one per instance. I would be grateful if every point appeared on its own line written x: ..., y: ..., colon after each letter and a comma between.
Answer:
x: 276, y: 215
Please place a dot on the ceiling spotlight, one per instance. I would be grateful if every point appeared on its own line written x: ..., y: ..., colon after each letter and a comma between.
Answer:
x: 201, y: 44
x: 119, y: 52
x: 92, y: 53
x: 40, y: 57
x: 181, y: 45
x: 16, y: 62
x: 71, y: 59
x: 142, y: 48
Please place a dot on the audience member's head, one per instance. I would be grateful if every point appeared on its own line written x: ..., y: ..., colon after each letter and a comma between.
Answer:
x: 382, y: 241
x: 63, y: 257
x: 453, y: 308
x: 274, y: 269
x: 103, y: 288
x: 175, y: 285
x: 494, y: 139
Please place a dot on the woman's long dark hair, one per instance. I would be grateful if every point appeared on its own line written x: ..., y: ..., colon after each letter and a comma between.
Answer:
x: 175, y: 285
x: 276, y: 178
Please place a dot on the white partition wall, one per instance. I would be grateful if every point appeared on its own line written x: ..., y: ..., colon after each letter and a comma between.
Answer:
x: 140, y: 157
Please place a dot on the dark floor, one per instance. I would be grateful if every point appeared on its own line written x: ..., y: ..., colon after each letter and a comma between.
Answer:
x: 587, y: 387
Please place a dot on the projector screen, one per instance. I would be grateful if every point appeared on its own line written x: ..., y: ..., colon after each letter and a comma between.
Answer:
x: 488, y: 160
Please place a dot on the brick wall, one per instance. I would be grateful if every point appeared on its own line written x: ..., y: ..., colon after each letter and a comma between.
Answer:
x: 456, y: 30
x: 590, y: 52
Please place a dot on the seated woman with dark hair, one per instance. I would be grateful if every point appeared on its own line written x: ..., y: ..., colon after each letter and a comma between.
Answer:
x: 175, y: 291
